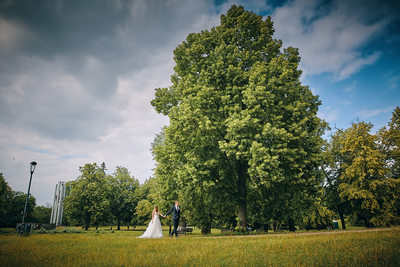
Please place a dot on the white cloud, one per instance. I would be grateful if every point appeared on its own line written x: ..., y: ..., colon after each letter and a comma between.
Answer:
x: 329, y: 35
x: 12, y: 35
x: 368, y: 113
x: 394, y: 81
x: 351, y: 87
x: 328, y: 114
x: 90, y: 101
x: 352, y: 67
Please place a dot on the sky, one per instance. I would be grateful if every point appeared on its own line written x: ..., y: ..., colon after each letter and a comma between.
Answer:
x: 77, y: 77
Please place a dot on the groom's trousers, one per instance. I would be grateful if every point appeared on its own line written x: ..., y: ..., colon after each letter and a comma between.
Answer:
x: 175, y: 223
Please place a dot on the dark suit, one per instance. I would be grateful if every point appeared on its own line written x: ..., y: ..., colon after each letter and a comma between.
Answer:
x: 176, y: 213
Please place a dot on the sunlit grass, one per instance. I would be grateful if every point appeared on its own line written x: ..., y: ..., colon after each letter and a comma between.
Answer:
x: 122, y: 248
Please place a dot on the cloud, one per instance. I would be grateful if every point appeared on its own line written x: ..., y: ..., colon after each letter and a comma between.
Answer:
x: 12, y: 35
x: 368, y: 113
x: 64, y: 82
x: 352, y: 67
x: 330, y: 34
x: 49, y: 100
x: 256, y: 6
x: 394, y: 81
x: 78, y: 90
x: 351, y: 87
x: 328, y: 114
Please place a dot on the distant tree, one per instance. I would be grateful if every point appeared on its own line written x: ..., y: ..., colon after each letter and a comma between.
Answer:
x: 12, y: 204
x: 87, y: 203
x: 103, y: 167
x: 41, y: 214
x: 239, y: 120
x: 317, y: 216
x: 333, y: 169
x: 364, y: 182
x: 6, y: 198
x: 17, y: 208
x: 390, y: 143
x: 143, y: 212
x: 148, y: 196
x: 389, y: 139
x: 122, y: 197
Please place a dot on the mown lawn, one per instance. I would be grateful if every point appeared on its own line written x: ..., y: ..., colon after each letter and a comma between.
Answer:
x: 122, y: 248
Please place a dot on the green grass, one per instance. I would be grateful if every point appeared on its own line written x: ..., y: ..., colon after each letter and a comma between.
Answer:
x: 122, y: 248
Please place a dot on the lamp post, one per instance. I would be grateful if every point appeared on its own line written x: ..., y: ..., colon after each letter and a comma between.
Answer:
x: 23, y: 226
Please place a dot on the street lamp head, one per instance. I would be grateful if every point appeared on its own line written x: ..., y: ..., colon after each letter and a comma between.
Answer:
x: 33, y: 166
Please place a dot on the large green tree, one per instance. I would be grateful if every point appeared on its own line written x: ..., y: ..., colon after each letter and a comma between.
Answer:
x: 87, y: 202
x: 239, y: 120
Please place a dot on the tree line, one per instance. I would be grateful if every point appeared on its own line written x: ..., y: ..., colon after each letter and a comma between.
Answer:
x: 12, y: 205
x: 96, y: 198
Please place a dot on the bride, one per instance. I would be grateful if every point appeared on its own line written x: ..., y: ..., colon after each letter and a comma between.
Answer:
x: 154, y: 229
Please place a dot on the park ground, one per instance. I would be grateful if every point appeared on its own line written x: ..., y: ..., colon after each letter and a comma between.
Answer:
x: 106, y: 247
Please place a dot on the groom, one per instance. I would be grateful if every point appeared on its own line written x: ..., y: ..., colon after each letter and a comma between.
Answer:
x: 176, y: 213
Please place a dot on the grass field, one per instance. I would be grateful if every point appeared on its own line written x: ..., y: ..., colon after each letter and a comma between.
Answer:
x: 379, y: 247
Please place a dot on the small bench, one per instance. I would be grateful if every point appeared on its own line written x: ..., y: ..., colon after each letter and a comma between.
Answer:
x: 185, y: 230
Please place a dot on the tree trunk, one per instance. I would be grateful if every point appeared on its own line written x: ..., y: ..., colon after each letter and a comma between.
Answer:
x: 242, y: 195
x: 118, y: 225
x: 291, y: 225
x: 265, y: 227
x: 242, y: 215
x: 206, y: 229
x: 340, y: 210
x: 367, y: 222
x: 275, y: 225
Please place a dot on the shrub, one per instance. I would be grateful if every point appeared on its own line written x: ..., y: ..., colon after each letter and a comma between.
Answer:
x: 49, y: 226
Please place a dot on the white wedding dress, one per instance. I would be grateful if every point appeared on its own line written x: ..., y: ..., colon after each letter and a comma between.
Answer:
x: 154, y: 229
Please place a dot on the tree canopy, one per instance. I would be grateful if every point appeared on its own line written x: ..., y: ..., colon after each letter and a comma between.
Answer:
x: 359, y: 177
x: 242, y: 127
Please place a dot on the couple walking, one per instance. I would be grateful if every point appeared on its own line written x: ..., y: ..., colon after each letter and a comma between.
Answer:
x: 154, y: 229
